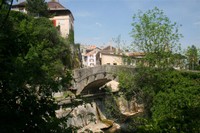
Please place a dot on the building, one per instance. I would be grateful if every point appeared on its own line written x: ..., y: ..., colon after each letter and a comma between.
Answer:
x: 91, y: 58
x: 110, y: 56
x: 114, y: 56
x: 89, y: 55
x: 62, y: 17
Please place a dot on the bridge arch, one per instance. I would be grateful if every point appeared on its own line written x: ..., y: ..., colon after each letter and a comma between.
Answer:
x: 94, y: 87
x: 95, y: 77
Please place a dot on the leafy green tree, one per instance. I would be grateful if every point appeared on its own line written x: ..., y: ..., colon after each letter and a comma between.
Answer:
x: 37, y: 8
x: 170, y: 99
x: 175, y: 109
x: 126, y: 84
x: 32, y: 56
x: 192, y: 57
x: 156, y: 36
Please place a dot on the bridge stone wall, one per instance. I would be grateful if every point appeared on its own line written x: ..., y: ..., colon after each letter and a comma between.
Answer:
x: 85, y: 76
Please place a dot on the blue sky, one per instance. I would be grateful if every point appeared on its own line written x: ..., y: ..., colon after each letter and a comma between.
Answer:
x: 97, y: 22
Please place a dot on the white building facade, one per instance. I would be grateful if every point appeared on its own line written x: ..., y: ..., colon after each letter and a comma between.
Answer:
x: 91, y: 58
x: 89, y: 55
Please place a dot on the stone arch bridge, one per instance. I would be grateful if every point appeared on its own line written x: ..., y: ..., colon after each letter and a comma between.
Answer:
x: 92, y: 78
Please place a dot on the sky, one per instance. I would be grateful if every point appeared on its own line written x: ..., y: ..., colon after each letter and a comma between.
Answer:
x: 98, y: 22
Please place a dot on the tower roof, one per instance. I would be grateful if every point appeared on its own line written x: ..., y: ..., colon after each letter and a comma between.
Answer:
x: 55, y: 6
x: 52, y: 5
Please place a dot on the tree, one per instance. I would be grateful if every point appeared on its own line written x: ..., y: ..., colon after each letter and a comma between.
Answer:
x: 170, y: 98
x: 156, y: 36
x: 5, y: 7
x: 37, y: 8
x: 192, y: 57
x: 175, y: 109
x: 31, y: 60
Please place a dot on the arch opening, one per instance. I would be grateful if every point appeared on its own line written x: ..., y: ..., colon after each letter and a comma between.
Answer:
x: 95, y: 87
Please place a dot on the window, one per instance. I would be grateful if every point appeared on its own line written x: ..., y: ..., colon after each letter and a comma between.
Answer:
x: 91, y: 60
x: 85, y: 58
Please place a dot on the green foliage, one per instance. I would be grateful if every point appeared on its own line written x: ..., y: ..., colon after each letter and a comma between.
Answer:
x: 70, y: 37
x: 176, y: 107
x: 112, y: 110
x: 126, y: 84
x: 31, y: 60
x: 37, y: 8
x: 170, y: 97
x: 141, y: 84
x: 156, y: 36
x: 76, y: 56
x: 193, y: 56
x: 75, y: 48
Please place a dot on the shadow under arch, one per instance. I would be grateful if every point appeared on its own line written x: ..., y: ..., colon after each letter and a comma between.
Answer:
x: 94, y: 87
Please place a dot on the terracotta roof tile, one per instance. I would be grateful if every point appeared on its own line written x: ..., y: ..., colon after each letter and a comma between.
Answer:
x: 111, y: 50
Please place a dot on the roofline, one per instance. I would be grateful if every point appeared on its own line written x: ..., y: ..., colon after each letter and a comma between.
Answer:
x: 62, y: 10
